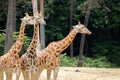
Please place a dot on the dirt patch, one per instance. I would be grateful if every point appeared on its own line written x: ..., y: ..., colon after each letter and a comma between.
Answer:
x: 72, y: 73
x: 75, y: 73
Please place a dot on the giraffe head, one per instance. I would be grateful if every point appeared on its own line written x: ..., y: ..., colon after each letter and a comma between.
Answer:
x: 28, y: 19
x: 80, y: 28
x: 39, y: 18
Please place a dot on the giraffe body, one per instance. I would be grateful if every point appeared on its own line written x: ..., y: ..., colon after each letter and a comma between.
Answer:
x: 10, y: 62
x: 49, y: 57
x: 29, y: 61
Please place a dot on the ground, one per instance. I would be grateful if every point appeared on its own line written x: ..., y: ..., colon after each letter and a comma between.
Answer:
x: 75, y: 73
x: 72, y: 73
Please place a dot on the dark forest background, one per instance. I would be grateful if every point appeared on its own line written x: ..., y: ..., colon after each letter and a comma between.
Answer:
x: 103, y: 22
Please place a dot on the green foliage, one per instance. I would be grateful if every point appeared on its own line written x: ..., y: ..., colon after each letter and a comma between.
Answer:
x: 2, y: 42
x: 97, y: 61
x: 67, y: 61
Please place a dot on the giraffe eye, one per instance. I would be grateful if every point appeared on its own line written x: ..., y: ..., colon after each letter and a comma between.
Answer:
x: 81, y: 27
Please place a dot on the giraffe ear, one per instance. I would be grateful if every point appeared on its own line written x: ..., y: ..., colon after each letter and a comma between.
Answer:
x: 36, y: 13
x: 26, y: 14
x: 73, y: 26
x: 21, y: 19
x: 41, y: 15
x: 79, y: 22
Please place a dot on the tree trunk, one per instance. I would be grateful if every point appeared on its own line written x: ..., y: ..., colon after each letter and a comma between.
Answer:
x: 11, y: 25
x: 80, y: 61
x: 35, y: 9
x: 42, y: 28
x: 34, y: 5
x: 70, y: 25
x: 14, y: 15
x: 86, y: 47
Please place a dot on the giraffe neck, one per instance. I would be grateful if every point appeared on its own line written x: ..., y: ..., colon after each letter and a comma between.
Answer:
x: 16, y: 47
x: 38, y: 48
x: 32, y: 47
x: 64, y: 43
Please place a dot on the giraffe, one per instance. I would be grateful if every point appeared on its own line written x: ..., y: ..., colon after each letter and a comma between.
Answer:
x: 10, y: 62
x: 48, y: 58
x: 29, y: 58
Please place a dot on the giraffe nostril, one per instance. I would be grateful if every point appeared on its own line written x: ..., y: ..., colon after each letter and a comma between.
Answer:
x: 89, y: 33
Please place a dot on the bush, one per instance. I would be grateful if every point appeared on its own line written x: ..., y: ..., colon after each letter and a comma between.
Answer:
x: 97, y: 61
x: 2, y: 43
x: 67, y: 61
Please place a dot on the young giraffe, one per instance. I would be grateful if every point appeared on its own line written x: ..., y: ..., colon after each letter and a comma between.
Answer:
x: 10, y: 62
x: 49, y: 57
x: 29, y: 58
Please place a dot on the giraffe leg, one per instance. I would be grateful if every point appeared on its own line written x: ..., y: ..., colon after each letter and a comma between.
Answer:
x: 38, y: 73
x: 18, y: 75
x: 26, y: 75
x: 34, y: 75
x: 1, y: 74
x: 49, y: 73
x: 18, y: 70
x: 55, y: 71
x: 8, y: 74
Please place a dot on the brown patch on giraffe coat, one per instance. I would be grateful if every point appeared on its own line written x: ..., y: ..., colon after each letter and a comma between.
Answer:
x: 31, y: 52
x: 22, y: 33
x: 51, y: 64
x: 34, y: 42
x: 19, y: 47
x: 52, y: 48
x: 57, y: 47
x: 21, y: 36
x: 64, y: 47
x: 16, y: 57
x: 45, y: 57
x: 69, y: 41
x: 15, y: 51
x: 72, y: 36
x: 63, y: 42
x: 13, y: 66
x: 28, y: 55
x: 21, y: 40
